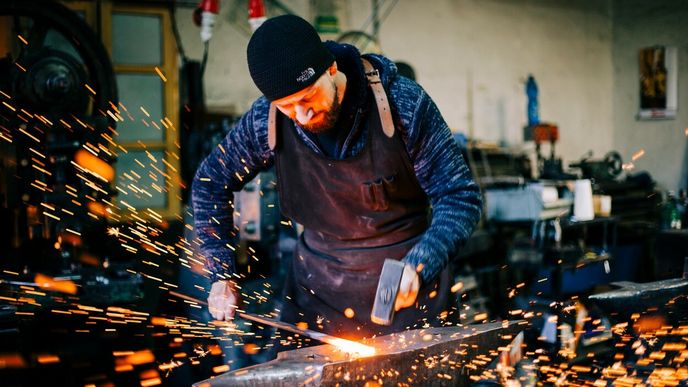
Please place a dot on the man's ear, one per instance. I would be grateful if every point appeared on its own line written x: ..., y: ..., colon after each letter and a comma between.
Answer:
x: 333, y: 68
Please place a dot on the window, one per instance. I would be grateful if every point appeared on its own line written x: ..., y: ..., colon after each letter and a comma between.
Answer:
x: 145, y: 62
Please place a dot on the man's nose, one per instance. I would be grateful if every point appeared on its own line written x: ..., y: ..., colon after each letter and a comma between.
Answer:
x: 303, y: 114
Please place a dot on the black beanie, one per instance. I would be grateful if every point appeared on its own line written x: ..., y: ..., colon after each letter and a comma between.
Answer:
x: 286, y: 55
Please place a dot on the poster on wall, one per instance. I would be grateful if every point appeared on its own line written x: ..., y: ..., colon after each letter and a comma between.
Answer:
x: 658, y: 83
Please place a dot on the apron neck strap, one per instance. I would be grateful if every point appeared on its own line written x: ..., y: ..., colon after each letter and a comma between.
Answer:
x: 373, y: 76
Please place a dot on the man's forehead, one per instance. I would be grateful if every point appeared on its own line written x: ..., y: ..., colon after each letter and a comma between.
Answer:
x: 299, y: 94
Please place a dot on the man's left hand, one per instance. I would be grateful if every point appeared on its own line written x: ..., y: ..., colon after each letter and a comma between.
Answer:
x: 408, y: 288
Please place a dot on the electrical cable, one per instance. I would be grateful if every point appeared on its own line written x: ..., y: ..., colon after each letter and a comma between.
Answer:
x: 175, y: 30
x: 384, y: 16
x: 388, y: 11
x: 178, y: 40
x: 205, y: 58
x: 370, y: 18
x: 382, y: 19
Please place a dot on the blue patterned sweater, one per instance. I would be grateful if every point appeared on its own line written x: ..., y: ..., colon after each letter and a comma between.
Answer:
x: 436, y: 157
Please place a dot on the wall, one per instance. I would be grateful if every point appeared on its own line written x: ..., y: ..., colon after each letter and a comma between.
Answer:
x: 639, y: 24
x: 228, y: 85
x: 480, y: 52
x: 472, y: 56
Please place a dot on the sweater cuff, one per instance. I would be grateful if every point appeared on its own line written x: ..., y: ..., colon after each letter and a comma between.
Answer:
x: 217, y: 269
x: 431, y: 261
x: 214, y: 277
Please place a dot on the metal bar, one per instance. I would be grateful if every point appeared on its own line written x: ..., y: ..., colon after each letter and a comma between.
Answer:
x: 289, y: 327
x: 274, y: 323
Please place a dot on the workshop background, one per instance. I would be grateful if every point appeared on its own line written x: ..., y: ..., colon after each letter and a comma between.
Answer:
x: 473, y: 58
x: 109, y: 106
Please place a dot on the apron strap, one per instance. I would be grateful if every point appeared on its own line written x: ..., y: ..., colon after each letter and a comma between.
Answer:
x: 272, y: 127
x: 382, y: 103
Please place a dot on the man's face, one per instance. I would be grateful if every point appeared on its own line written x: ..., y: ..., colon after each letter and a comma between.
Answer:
x: 314, y: 108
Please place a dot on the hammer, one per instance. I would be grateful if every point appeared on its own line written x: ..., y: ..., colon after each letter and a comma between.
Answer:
x: 387, y: 290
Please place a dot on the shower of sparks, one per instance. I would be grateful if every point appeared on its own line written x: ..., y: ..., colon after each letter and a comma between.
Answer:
x: 139, y: 231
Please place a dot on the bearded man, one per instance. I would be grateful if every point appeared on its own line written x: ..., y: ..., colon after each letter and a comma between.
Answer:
x: 364, y: 161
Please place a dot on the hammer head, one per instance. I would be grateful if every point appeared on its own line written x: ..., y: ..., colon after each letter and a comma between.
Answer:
x: 386, y: 294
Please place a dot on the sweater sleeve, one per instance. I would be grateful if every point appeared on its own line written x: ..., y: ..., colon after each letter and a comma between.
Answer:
x: 241, y: 155
x: 444, y: 176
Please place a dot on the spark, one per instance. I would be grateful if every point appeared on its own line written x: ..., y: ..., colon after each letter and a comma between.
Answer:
x: 162, y: 76
x: 456, y: 287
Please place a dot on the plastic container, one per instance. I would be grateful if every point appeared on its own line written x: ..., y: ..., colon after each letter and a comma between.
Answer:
x: 533, y: 107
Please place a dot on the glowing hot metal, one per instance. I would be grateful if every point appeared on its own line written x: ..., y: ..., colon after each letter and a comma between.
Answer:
x: 347, y: 346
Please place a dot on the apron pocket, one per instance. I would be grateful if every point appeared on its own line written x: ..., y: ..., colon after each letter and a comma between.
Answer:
x: 390, y: 183
x: 376, y: 193
x: 380, y: 196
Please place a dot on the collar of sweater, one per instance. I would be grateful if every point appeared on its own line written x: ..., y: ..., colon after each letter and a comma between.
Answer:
x: 349, y: 62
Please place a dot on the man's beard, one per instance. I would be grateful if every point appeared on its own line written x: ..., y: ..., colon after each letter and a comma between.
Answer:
x: 329, y: 119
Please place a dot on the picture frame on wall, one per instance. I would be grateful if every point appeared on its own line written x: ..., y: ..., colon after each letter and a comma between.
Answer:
x: 658, y: 82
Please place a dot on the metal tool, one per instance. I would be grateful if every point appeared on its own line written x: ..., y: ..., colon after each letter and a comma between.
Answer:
x: 387, y: 290
x: 315, y: 335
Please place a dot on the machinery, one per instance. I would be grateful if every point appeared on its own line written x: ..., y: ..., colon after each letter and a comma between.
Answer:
x: 526, y: 202
x: 606, y: 169
x: 548, y: 168
x: 57, y: 120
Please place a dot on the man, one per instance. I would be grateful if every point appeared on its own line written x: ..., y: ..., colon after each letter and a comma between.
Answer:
x: 360, y: 181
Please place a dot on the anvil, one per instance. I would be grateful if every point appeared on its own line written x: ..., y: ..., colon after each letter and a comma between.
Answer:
x: 632, y: 297
x: 427, y: 357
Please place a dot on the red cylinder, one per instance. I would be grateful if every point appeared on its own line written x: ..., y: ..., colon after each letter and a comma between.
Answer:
x: 256, y: 9
x: 212, y: 6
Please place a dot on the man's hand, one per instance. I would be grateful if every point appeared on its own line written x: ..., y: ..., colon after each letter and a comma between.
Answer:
x: 408, y: 288
x: 223, y: 300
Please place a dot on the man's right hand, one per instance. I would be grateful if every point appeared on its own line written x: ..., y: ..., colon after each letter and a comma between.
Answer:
x: 223, y: 300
